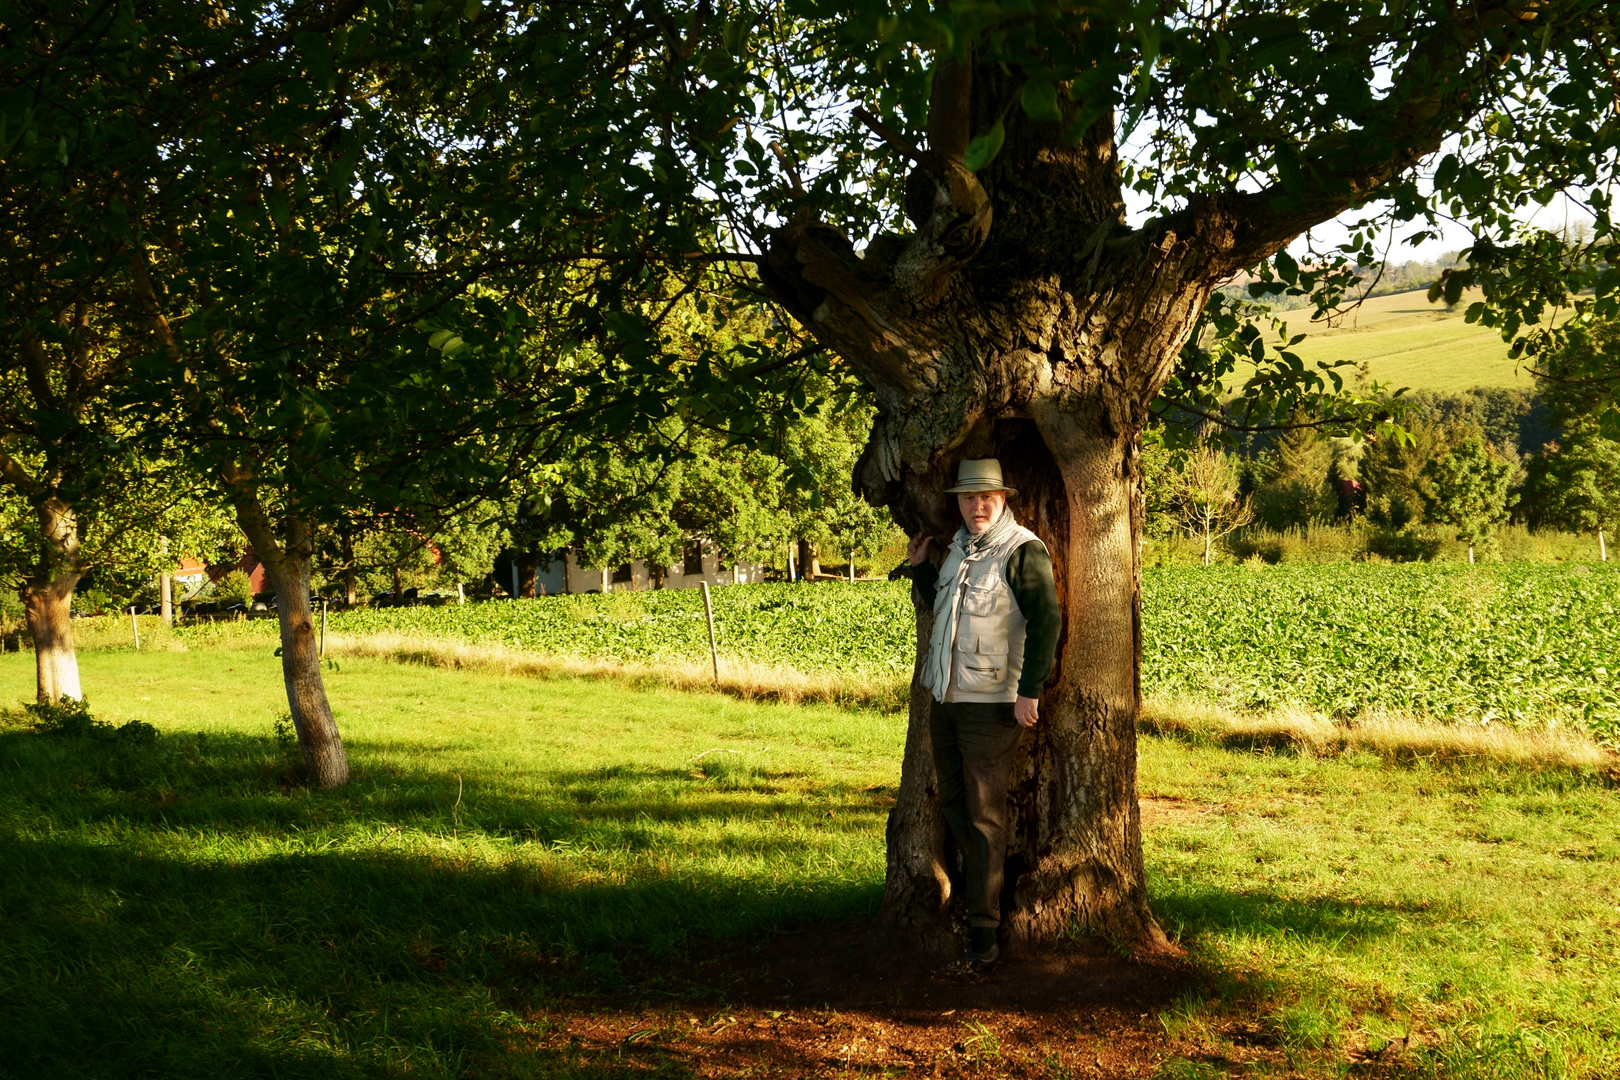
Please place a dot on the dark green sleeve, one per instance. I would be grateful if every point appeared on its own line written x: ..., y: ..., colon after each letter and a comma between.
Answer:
x: 924, y: 576
x: 1029, y: 572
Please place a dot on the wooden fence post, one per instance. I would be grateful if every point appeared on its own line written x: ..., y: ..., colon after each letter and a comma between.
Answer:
x: 708, y: 614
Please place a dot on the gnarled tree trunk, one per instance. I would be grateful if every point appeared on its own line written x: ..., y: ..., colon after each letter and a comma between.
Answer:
x: 286, y: 560
x: 47, y: 597
x: 1040, y: 341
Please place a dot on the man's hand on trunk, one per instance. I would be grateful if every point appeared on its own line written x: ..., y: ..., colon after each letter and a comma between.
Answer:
x: 1027, y: 710
x: 917, y: 548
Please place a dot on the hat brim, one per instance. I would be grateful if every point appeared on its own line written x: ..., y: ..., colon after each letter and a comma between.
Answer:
x: 979, y: 485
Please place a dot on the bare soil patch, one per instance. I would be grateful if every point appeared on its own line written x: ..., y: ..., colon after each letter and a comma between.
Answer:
x: 816, y: 1004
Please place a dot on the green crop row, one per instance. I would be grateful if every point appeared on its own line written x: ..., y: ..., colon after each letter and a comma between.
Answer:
x: 1519, y: 643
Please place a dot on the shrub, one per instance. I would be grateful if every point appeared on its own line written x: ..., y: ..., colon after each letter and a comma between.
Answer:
x: 70, y: 718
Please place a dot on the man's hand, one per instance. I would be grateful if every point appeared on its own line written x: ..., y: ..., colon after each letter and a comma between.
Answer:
x: 917, y: 548
x: 1027, y: 710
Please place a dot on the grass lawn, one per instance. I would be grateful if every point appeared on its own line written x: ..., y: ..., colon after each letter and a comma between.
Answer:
x: 513, y: 845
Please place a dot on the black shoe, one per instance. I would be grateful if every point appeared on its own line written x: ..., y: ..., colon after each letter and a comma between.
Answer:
x: 982, y: 945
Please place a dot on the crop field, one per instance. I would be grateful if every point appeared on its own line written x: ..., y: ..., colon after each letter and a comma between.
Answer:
x: 1516, y: 643
x: 1406, y: 341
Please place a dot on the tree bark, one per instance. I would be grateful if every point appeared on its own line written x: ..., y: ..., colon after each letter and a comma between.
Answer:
x: 47, y: 596
x: 286, y: 560
x: 528, y: 564
x: 809, y: 560
x: 918, y: 885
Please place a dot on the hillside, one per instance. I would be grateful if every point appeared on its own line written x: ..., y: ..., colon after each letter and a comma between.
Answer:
x: 1406, y: 341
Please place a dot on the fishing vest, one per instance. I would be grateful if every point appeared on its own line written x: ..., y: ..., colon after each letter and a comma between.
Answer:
x: 987, y: 655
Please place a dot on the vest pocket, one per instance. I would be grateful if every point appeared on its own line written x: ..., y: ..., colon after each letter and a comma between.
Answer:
x: 979, y: 600
x: 981, y: 672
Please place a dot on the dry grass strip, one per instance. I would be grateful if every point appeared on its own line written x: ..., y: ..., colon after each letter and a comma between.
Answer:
x: 1389, y: 735
x: 1392, y: 736
x: 745, y: 679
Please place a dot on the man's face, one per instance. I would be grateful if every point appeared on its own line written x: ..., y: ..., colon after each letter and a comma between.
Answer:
x: 980, y: 509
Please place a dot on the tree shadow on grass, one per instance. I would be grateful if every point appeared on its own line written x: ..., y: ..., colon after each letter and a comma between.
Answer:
x: 158, y: 922
x: 1189, y: 911
x: 144, y: 955
x: 248, y: 783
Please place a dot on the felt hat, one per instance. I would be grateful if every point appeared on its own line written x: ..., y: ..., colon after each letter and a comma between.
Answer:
x: 981, y: 474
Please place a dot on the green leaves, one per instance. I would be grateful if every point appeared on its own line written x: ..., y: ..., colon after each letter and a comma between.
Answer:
x: 1039, y: 99
x: 983, y: 149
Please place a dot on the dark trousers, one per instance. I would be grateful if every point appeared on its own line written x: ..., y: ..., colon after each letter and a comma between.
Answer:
x: 973, y: 757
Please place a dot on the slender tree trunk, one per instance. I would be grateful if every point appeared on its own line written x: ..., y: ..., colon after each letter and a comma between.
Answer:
x: 286, y: 560
x: 399, y: 586
x: 528, y: 564
x: 47, y: 596
x: 166, y: 598
x: 349, y: 597
x: 1603, y: 548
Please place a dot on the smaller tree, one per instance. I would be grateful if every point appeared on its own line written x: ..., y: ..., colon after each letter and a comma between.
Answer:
x: 1576, y: 486
x: 1392, y: 471
x: 1204, y: 495
x: 1468, y: 489
x: 1293, y: 490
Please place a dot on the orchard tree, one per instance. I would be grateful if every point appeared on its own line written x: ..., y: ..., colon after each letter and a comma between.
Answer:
x: 337, y: 239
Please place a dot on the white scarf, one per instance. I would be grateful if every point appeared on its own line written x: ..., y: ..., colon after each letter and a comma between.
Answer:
x: 1003, y: 535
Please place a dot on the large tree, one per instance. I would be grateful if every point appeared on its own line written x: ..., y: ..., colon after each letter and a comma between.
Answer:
x: 1024, y: 313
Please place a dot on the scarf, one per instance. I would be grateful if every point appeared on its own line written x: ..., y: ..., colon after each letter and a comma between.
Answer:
x: 1003, y: 535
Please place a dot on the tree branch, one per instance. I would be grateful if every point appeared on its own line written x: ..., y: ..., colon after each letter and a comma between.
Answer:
x: 950, y: 108
x: 37, y: 369
x: 1435, y: 88
x: 722, y: 256
x: 889, y: 135
x: 777, y: 365
x: 18, y: 477
x: 1232, y: 425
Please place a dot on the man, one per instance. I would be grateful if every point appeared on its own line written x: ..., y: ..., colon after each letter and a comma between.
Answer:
x: 996, y: 626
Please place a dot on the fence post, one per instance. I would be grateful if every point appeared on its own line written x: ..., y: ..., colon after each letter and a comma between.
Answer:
x: 323, y: 626
x: 135, y: 626
x: 1603, y: 549
x: 708, y: 615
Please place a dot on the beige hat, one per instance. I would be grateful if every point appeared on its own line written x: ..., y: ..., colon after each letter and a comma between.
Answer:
x: 983, y: 474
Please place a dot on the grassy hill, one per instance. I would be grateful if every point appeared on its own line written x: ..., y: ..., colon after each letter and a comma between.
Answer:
x: 1406, y: 341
